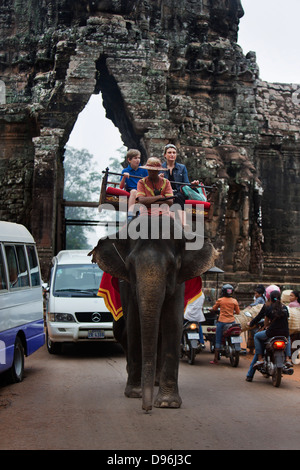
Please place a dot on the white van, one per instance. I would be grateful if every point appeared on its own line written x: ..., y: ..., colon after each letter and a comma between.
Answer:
x: 21, y: 299
x: 74, y: 311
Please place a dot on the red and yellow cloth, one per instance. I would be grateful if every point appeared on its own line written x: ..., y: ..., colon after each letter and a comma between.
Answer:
x: 192, y: 291
x: 109, y: 290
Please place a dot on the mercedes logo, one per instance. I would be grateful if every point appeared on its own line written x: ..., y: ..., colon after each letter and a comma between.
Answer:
x: 96, y: 317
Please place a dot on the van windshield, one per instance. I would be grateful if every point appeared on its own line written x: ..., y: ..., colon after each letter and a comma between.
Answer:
x: 77, y: 280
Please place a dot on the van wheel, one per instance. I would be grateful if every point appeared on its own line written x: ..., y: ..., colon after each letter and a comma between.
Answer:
x: 16, y: 372
x: 53, y: 348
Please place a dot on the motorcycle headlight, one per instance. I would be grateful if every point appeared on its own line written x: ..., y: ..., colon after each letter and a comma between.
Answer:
x: 61, y: 317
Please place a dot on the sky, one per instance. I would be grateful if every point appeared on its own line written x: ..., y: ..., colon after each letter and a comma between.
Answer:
x: 269, y: 27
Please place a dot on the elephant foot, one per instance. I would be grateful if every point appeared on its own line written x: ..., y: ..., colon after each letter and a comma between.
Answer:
x: 167, y: 401
x: 133, y: 392
x: 147, y: 409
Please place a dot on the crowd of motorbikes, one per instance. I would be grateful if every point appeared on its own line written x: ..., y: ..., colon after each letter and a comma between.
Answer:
x: 191, y: 345
x: 274, y: 355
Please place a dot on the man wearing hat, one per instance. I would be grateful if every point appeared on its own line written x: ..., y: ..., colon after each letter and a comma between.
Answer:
x: 153, y: 189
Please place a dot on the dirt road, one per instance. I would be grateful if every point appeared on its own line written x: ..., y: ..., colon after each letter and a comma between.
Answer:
x: 76, y: 401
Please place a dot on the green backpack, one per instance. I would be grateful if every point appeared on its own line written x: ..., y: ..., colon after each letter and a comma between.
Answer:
x: 197, y: 194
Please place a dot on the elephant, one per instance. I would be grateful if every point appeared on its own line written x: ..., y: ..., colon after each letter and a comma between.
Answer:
x: 152, y: 275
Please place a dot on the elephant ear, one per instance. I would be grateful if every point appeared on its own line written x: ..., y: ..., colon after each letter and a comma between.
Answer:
x: 196, y: 262
x: 110, y: 255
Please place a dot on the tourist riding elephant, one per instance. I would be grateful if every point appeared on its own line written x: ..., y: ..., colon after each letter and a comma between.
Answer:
x: 152, y: 273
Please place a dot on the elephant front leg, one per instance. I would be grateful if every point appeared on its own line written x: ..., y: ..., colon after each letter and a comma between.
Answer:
x: 168, y: 393
x: 168, y: 397
x: 133, y: 387
x: 171, y: 331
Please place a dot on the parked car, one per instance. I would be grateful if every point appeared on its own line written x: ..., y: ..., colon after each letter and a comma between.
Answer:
x: 74, y: 312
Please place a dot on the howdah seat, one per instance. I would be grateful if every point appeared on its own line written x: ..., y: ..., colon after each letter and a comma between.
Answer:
x: 110, y: 194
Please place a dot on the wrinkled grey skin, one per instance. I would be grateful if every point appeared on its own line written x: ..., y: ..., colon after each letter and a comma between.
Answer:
x: 152, y: 275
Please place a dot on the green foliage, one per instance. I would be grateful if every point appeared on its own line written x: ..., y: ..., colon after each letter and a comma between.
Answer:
x: 81, y: 177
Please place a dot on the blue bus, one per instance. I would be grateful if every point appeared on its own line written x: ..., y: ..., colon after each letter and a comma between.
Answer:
x: 21, y: 299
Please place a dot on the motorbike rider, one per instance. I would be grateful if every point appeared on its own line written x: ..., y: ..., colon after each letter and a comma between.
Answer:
x: 257, y: 323
x: 276, y: 324
x: 194, y: 313
x: 228, y: 307
x: 259, y: 298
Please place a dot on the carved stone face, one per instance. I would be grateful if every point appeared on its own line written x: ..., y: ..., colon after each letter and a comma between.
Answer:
x: 232, y: 7
x: 239, y: 8
x: 225, y: 15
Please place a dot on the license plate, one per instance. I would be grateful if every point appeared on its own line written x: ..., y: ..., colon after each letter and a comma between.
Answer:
x: 236, y: 339
x: 96, y: 334
x: 193, y: 335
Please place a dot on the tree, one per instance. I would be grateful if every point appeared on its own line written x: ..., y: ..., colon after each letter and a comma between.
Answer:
x: 83, y: 183
x: 81, y: 177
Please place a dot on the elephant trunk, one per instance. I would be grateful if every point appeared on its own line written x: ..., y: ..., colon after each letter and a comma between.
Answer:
x: 151, y: 296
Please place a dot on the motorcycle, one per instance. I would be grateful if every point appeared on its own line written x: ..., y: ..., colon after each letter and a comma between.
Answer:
x: 190, y: 344
x: 209, y: 327
x: 274, y: 360
x: 231, y: 343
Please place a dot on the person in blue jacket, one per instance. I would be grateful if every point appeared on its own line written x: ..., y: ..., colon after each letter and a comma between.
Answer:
x: 176, y: 172
x: 133, y: 169
x: 130, y: 184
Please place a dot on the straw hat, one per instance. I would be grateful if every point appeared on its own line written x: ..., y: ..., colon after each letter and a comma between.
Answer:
x: 153, y: 163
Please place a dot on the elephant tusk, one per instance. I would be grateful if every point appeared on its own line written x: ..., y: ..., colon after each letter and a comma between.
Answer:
x: 118, y: 252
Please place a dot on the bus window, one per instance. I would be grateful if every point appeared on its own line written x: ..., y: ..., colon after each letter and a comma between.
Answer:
x: 12, y: 266
x: 23, y: 269
x: 3, y: 284
x: 18, y: 274
x: 33, y: 263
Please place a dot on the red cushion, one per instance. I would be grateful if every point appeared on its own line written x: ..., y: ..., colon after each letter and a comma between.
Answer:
x: 117, y: 191
x: 194, y: 202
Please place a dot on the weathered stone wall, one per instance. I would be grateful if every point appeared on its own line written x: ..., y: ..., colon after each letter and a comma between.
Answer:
x: 169, y: 71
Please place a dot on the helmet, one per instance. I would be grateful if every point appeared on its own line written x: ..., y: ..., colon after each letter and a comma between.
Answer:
x: 227, y: 290
x: 269, y: 289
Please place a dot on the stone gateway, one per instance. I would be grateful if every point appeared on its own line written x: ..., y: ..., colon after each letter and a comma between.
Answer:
x: 169, y: 71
